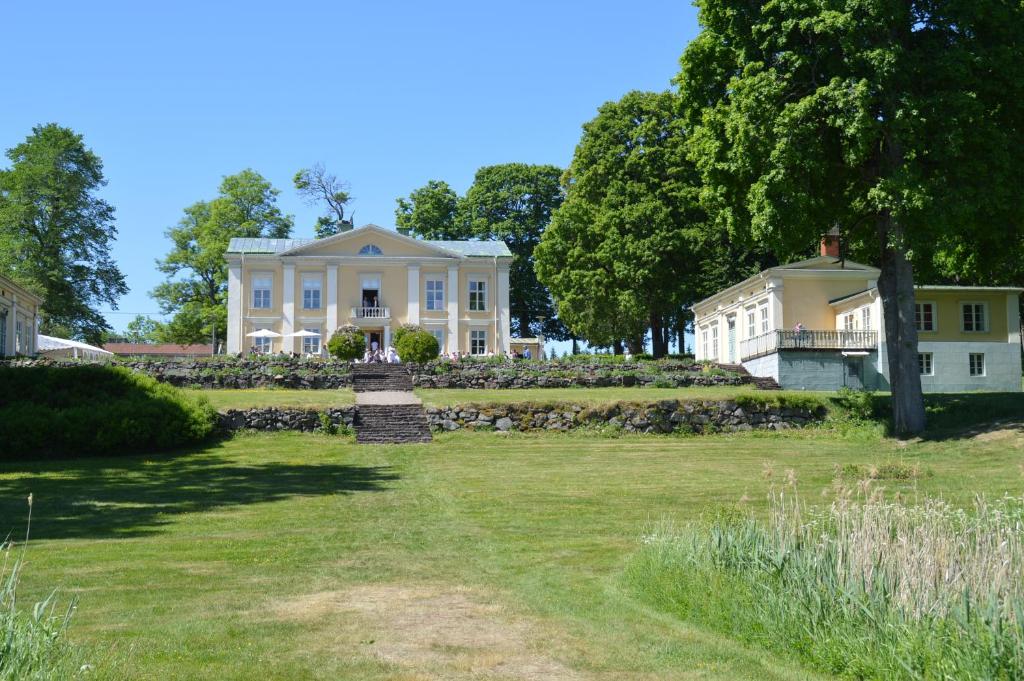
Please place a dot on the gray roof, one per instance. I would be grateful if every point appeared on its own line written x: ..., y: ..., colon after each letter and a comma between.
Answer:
x: 471, y: 249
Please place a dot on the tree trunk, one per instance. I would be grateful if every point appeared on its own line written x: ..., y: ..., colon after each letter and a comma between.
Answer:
x: 657, y: 337
x: 575, y: 346
x: 617, y: 347
x: 896, y: 288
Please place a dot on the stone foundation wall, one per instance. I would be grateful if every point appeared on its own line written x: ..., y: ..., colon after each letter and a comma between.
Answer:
x: 666, y: 416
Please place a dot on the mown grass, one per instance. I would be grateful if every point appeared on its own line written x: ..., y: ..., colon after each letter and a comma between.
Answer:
x: 185, y: 565
x: 222, y: 400
x: 598, y: 396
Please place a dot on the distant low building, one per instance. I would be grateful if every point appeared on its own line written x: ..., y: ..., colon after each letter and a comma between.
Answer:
x: 62, y: 348
x: 19, y: 319
x: 534, y: 345
x: 165, y: 350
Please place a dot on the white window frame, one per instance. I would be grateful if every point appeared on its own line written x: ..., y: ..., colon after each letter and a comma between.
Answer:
x: 704, y: 343
x: 370, y: 249
x: 258, y: 303
x: 263, y: 345
x: 985, y: 316
x: 311, y: 344
x: 438, y: 333
x: 926, y: 363
x: 763, y: 310
x: 714, y: 342
x: 482, y: 290
x: 477, y: 336
x: 865, y: 317
x: 920, y: 322
x: 971, y: 365
x: 435, y: 300
x: 849, y: 321
x: 317, y: 280
x: 751, y: 322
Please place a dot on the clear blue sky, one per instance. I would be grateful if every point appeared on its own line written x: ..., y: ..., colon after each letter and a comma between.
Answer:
x: 175, y: 95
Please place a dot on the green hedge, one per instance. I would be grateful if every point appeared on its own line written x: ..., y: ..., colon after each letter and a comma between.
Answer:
x: 94, y: 410
x: 417, y: 346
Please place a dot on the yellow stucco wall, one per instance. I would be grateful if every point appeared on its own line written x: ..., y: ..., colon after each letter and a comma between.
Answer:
x: 948, y: 315
x: 805, y: 300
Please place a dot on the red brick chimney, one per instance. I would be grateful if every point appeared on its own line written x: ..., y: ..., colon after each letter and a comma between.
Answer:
x: 830, y: 243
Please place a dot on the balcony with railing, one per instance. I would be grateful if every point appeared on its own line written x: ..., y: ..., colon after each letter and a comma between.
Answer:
x: 371, y: 313
x: 807, y: 339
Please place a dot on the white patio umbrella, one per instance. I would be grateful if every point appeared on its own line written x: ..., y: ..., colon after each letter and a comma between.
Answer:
x: 304, y: 334
x: 263, y: 333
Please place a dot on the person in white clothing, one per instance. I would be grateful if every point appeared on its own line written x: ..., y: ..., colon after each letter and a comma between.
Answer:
x: 392, y: 355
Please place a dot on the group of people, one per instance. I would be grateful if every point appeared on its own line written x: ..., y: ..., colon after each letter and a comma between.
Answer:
x: 375, y: 355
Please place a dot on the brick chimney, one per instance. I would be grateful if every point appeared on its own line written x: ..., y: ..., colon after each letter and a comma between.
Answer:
x: 830, y: 244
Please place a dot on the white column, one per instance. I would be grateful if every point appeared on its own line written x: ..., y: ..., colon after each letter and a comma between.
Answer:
x: 453, y: 309
x: 1013, y: 318
x: 12, y: 327
x: 387, y: 336
x: 504, y: 315
x: 288, y: 308
x: 413, y: 296
x: 234, y: 343
x: 332, y: 302
x: 775, y: 304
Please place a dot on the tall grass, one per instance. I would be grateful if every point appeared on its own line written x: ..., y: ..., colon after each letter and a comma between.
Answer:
x: 32, y: 643
x: 865, y: 588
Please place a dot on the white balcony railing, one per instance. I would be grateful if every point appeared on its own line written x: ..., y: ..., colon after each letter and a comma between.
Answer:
x: 807, y: 339
x: 371, y: 313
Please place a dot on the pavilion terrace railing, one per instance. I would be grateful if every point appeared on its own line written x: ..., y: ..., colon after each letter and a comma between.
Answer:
x: 807, y: 339
x: 371, y: 313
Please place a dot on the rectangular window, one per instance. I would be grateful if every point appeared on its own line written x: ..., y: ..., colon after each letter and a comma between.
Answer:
x: 865, y: 318
x: 478, y: 342
x: 924, y: 363
x: 975, y: 316
x: 478, y: 295
x: 976, y: 361
x: 3, y: 333
x: 751, y: 325
x: 439, y: 335
x: 262, y: 345
x: 704, y: 344
x: 714, y: 343
x: 311, y: 344
x: 435, y: 294
x: 764, y: 319
x: 924, y: 316
x: 261, y: 288
x: 311, y: 293
x: 848, y: 322
x: 19, y: 337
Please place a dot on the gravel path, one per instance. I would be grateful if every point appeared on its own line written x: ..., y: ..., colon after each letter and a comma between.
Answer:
x: 387, y: 397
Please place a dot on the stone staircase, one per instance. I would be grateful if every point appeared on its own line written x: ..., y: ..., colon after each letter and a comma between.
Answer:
x: 386, y: 410
x: 759, y: 382
x: 376, y: 377
x: 391, y: 423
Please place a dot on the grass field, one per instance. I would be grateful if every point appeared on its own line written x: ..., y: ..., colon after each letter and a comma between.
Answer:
x: 292, y: 556
x: 277, y: 397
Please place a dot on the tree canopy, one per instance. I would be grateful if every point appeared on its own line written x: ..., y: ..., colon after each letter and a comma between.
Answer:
x: 619, y: 256
x: 318, y: 186
x: 195, y: 291
x: 899, y: 121
x: 56, y: 233
x: 432, y: 212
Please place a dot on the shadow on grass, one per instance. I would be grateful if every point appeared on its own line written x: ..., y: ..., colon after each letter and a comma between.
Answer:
x: 959, y: 416
x: 135, y: 496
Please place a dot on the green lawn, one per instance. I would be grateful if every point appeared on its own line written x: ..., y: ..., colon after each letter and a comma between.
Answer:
x: 480, y: 556
x: 444, y: 396
x: 277, y: 397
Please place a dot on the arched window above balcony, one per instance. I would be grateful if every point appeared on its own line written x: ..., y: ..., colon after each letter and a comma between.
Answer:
x: 370, y: 249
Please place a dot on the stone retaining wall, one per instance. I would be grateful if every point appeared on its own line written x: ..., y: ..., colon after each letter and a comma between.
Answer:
x: 666, y: 416
x: 273, y: 418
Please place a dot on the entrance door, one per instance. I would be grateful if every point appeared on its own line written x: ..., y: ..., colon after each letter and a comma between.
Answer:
x: 374, y: 337
x: 732, y: 340
x: 854, y: 373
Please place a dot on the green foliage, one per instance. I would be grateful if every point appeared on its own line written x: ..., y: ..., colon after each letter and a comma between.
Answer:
x: 93, y: 410
x: 195, y: 291
x: 141, y: 329
x: 404, y: 329
x: 620, y: 255
x: 347, y: 343
x: 431, y: 212
x: 56, y: 233
x: 860, y: 590
x: 316, y: 185
x: 417, y: 346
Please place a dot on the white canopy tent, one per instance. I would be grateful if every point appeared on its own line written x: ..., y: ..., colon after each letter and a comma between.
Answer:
x: 63, y: 348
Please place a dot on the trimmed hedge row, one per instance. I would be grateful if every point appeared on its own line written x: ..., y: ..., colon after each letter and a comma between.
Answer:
x: 95, y: 410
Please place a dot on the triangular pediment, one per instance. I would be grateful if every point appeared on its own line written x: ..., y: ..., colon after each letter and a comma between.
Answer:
x: 370, y: 241
x: 826, y: 262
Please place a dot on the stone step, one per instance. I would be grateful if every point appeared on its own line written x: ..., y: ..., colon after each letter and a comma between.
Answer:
x: 391, y: 423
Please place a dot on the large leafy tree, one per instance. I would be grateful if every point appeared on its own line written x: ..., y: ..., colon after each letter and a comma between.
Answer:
x: 195, y: 291
x: 622, y: 254
x: 432, y: 212
x: 56, y: 234
x: 897, y: 120
x: 512, y: 202
x: 317, y: 186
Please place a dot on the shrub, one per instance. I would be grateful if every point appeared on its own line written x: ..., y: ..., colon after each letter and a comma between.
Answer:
x: 402, y: 330
x: 417, y: 346
x: 91, y: 409
x: 347, y: 343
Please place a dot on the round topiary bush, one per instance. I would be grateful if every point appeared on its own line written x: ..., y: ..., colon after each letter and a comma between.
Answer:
x: 402, y: 330
x: 417, y: 346
x: 348, y: 343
